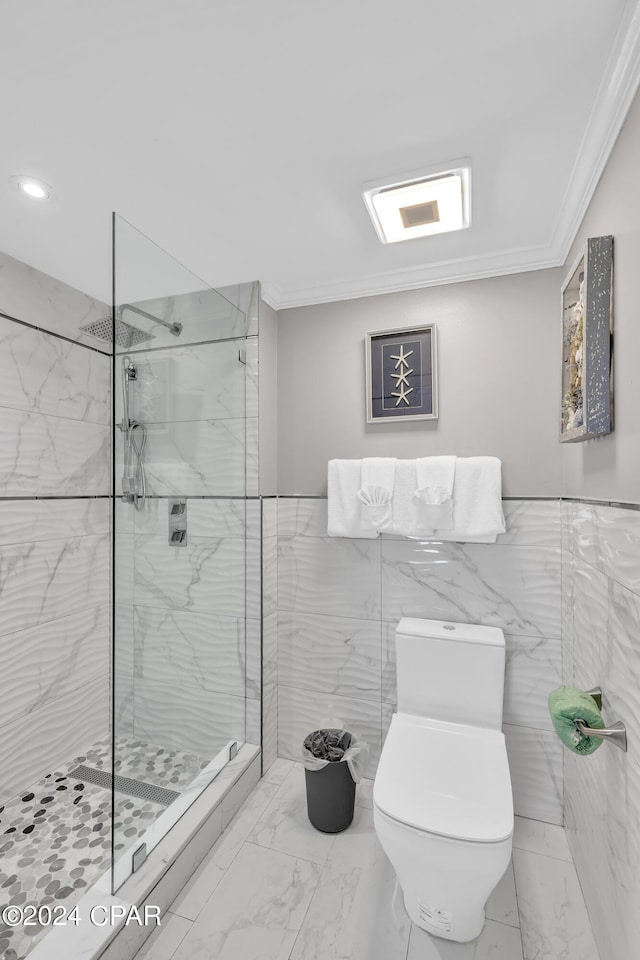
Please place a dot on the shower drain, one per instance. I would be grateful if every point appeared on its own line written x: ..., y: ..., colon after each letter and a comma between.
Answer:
x: 133, y: 788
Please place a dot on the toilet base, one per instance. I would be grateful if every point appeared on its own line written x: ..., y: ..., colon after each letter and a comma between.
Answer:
x: 440, y: 926
x: 445, y: 882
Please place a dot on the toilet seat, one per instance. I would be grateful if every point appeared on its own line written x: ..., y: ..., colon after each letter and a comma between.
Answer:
x: 447, y: 779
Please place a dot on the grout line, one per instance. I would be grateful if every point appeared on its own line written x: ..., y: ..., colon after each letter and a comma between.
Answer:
x: 57, y: 416
x: 67, y: 496
x: 603, y: 573
x: 63, y: 616
x: 291, y: 856
x: 311, y: 899
x: 60, y: 336
x: 545, y: 856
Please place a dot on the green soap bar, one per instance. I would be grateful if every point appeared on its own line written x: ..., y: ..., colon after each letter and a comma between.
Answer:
x: 567, y: 704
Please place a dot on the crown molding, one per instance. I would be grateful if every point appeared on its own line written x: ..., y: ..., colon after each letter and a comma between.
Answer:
x: 409, y: 278
x: 615, y: 95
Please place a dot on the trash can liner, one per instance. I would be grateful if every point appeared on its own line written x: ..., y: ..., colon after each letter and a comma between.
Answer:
x: 333, y: 745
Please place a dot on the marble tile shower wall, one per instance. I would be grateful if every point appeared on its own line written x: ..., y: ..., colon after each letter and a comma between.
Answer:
x: 339, y: 601
x: 54, y: 553
x: 188, y: 618
x: 601, y: 639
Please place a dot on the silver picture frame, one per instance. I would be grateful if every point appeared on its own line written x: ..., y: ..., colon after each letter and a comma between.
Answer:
x: 401, y: 374
x: 587, y: 343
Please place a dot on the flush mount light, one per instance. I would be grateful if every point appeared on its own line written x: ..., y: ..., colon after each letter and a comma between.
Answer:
x: 420, y: 204
x: 32, y: 187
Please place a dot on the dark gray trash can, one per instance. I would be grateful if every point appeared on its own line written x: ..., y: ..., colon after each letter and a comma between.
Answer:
x: 331, y: 790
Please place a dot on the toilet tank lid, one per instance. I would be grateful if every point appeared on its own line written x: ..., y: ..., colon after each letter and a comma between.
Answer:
x: 451, y: 630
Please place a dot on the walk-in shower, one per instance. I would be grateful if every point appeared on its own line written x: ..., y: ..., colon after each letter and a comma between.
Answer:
x: 180, y: 601
x: 129, y: 609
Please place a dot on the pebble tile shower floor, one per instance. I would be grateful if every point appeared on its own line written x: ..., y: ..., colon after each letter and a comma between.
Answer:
x: 55, y: 838
x: 273, y: 888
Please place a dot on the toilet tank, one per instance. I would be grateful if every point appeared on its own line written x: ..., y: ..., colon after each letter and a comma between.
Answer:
x: 450, y: 671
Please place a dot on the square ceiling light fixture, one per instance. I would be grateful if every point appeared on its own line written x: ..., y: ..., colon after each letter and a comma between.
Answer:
x: 421, y: 203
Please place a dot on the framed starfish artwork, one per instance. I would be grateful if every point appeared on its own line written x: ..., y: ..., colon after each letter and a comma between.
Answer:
x: 401, y: 374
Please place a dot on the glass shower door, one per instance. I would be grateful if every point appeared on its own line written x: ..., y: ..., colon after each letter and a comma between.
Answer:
x: 179, y: 557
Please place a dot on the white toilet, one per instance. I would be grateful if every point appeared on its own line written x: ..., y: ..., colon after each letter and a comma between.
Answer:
x: 443, y: 808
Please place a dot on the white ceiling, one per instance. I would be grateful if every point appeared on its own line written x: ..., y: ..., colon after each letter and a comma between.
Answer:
x: 237, y: 133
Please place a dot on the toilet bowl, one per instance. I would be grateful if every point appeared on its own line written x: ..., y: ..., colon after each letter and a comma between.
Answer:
x: 443, y: 808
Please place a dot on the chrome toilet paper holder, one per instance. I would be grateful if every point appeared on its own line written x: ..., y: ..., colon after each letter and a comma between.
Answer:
x: 616, y: 733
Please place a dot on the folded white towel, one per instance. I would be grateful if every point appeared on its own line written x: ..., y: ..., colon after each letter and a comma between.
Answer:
x: 343, y: 483
x: 403, y: 510
x: 377, y: 477
x: 477, y: 501
x: 433, y: 497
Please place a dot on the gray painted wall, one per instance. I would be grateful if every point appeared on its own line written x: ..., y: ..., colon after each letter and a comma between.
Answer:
x: 499, y: 381
x: 609, y: 467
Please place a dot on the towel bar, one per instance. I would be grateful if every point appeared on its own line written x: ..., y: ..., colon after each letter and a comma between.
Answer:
x: 616, y: 733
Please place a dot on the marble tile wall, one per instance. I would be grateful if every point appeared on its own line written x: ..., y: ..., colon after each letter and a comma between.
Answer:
x: 601, y: 641
x: 188, y: 618
x: 200, y: 409
x: 339, y: 601
x: 31, y: 296
x: 54, y: 415
x: 54, y: 553
x: 181, y: 633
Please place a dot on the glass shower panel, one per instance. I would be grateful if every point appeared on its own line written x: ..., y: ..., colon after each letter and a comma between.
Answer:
x: 179, y: 540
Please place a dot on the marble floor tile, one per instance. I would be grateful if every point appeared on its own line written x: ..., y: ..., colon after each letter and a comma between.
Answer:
x: 496, y: 942
x: 196, y: 892
x: 193, y: 897
x: 502, y: 905
x: 165, y: 940
x: 278, y: 771
x: 285, y: 826
x: 553, y: 916
x: 259, y: 895
x: 352, y: 915
x: 539, y: 837
x: 255, y: 911
x: 364, y: 793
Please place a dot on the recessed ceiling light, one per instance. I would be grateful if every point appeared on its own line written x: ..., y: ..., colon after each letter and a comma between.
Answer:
x: 34, y: 188
x: 418, y: 205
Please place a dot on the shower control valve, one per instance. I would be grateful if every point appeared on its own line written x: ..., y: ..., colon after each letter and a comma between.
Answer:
x: 178, y: 522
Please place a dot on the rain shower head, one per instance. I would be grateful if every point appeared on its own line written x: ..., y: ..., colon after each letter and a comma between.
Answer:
x: 127, y: 336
